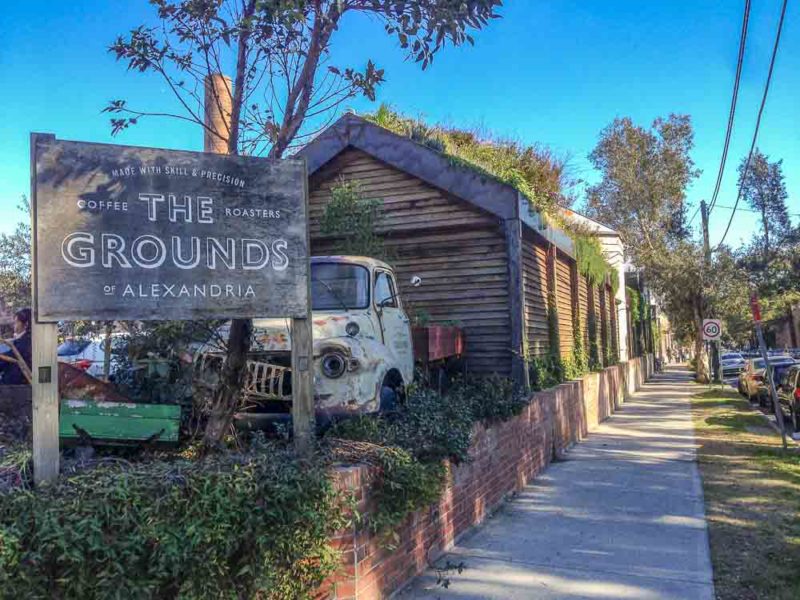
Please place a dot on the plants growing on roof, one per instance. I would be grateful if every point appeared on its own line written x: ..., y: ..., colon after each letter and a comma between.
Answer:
x: 536, y: 172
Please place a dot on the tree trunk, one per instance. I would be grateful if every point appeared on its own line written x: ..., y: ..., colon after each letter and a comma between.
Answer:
x: 228, y: 394
x: 702, y: 371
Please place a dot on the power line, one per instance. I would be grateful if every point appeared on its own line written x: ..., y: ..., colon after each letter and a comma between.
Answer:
x: 758, y: 120
x: 753, y: 210
x: 696, y: 210
x: 732, y: 111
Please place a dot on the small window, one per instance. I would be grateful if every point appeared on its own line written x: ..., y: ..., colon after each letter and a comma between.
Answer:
x: 384, y: 290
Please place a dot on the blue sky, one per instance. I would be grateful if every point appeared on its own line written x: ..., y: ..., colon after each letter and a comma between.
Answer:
x: 553, y: 72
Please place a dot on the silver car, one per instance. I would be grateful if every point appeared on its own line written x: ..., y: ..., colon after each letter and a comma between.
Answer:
x: 731, y: 364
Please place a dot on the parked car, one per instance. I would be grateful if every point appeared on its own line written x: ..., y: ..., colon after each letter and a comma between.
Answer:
x: 70, y: 351
x: 789, y: 396
x: 363, y: 351
x: 731, y: 363
x: 750, y: 376
x: 778, y: 366
x: 88, y: 354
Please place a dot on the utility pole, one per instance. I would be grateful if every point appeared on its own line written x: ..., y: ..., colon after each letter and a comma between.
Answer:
x: 714, y: 346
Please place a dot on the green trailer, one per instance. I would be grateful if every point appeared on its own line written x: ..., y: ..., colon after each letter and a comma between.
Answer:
x: 118, y: 423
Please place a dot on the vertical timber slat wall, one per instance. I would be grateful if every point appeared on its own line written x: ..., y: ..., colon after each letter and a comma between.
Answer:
x: 614, y: 322
x: 603, y: 322
x: 534, y: 271
x: 563, y: 272
x: 583, y: 311
x: 576, y: 299
x: 458, y: 250
x: 516, y: 301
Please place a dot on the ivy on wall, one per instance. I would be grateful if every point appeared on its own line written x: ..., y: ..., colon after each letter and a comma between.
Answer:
x: 351, y: 219
x: 591, y: 261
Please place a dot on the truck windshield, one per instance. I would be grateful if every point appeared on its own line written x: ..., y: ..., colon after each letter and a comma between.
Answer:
x: 339, y: 286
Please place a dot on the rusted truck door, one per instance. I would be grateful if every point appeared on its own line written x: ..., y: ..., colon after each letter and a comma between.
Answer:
x: 395, y: 327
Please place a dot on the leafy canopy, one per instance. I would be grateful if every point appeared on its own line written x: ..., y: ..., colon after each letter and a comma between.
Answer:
x: 15, y: 263
x: 278, y: 52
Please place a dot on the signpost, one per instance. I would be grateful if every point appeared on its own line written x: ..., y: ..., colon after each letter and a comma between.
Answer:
x: 762, y: 346
x: 124, y: 233
x: 712, y: 332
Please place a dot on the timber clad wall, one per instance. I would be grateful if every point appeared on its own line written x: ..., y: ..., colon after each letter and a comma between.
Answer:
x: 612, y: 315
x: 603, y: 323
x: 458, y: 250
x: 583, y: 311
x: 564, y: 303
x: 462, y: 255
x: 534, y: 275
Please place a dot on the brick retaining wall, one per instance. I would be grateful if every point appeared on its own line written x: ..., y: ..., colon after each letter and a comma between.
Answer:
x: 505, y: 457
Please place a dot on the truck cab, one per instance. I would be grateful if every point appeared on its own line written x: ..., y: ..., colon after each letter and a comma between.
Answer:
x: 363, y: 351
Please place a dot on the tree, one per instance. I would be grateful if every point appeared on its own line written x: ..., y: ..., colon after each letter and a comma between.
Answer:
x: 15, y: 263
x: 351, y: 220
x: 642, y: 194
x: 763, y: 188
x: 283, y: 85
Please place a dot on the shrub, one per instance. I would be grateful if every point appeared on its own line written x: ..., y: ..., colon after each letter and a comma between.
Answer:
x: 409, y: 447
x: 232, y: 526
x: 546, y: 371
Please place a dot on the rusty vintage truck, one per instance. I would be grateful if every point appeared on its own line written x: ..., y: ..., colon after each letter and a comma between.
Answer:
x: 363, y: 350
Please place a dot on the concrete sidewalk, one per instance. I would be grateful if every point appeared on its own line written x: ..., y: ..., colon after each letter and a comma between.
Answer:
x: 622, y: 517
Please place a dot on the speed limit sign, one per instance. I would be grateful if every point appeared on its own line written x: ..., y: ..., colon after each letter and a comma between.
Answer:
x: 712, y: 329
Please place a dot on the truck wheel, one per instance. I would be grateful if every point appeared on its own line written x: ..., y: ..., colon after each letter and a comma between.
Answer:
x: 391, y: 393
x: 388, y: 399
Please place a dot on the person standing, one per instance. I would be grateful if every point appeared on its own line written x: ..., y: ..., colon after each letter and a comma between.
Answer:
x: 10, y: 371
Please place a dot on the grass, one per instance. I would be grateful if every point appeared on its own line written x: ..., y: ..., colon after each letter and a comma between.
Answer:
x: 752, y: 497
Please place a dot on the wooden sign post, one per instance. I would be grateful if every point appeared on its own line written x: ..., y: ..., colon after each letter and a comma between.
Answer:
x: 44, y: 363
x: 128, y: 233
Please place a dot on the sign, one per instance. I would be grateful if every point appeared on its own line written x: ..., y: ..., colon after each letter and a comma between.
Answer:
x: 755, y: 308
x: 712, y: 329
x: 127, y: 233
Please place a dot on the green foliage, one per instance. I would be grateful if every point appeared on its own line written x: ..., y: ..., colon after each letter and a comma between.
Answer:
x: 636, y: 304
x: 228, y: 526
x: 591, y: 261
x: 546, y: 371
x: 351, y: 219
x: 15, y: 263
x: 553, y: 333
x: 532, y: 170
x: 411, y: 445
x: 579, y: 365
x: 595, y: 363
x: 764, y: 189
x: 405, y: 484
x: 284, y: 75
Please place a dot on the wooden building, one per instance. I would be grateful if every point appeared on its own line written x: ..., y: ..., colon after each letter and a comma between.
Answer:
x: 484, y: 256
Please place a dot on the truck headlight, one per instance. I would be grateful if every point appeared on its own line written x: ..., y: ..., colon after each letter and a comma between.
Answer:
x: 352, y: 329
x: 333, y: 365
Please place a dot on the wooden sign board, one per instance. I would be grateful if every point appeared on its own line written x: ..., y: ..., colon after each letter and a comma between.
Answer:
x: 126, y: 233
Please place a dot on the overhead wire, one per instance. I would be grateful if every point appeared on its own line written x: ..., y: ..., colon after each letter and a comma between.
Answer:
x: 732, y: 110
x: 758, y: 121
